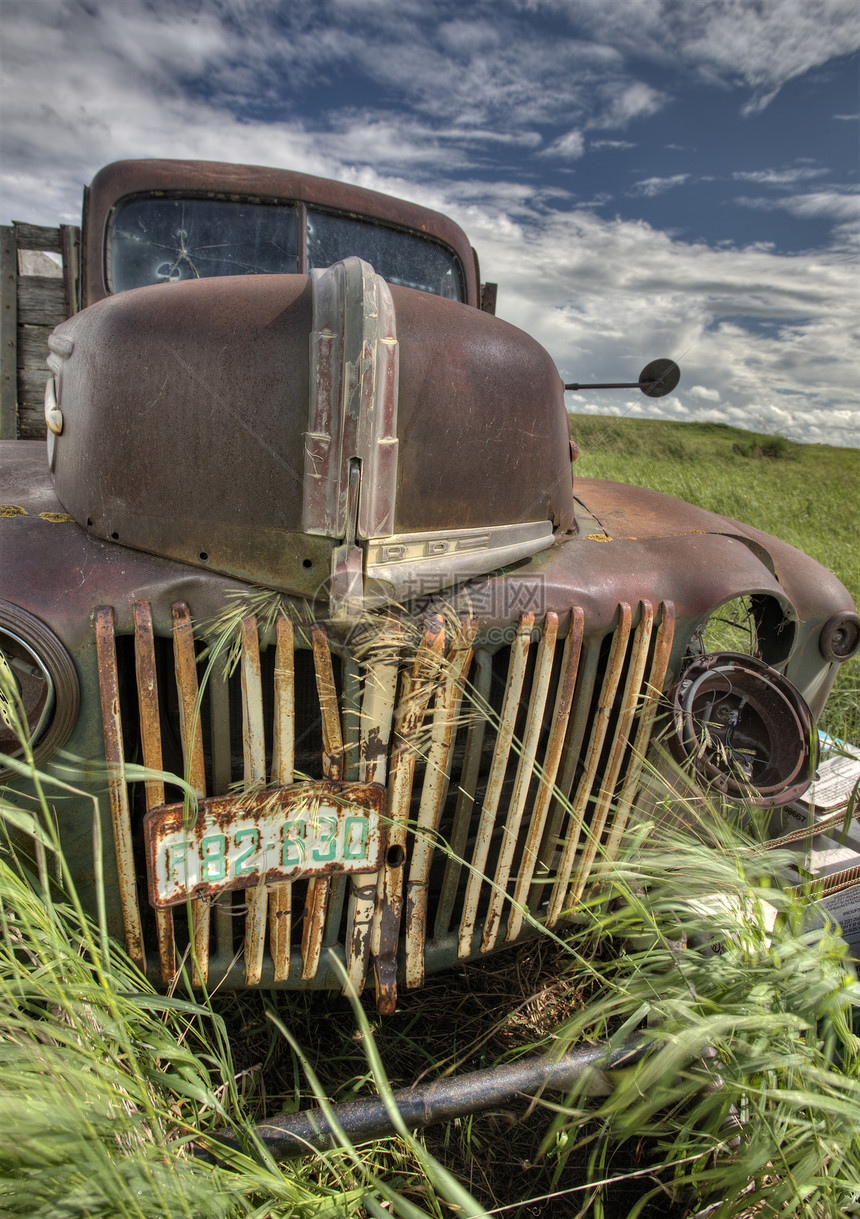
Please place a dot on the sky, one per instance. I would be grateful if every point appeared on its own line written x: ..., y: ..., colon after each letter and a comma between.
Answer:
x: 642, y: 178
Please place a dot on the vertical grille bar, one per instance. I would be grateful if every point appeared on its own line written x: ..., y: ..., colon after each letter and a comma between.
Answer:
x: 659, y: 668
x: 525, y: 769
x: 479, y: 696
x: 573, y: 828
x: 416, y: 688
x: 218, y: 691
x: 254, y: 758
x: 332, y: 768
x: 504, y: 739
x: 191, y: 732
x: 283, y: 764
x: 350, y: 719
x: 574, y: 746
x: 433, y: 793
x: 612, y: 769
x: 552, y: 759
x: 377, y: 711
x: 150, y: 737
x: 115, y: 755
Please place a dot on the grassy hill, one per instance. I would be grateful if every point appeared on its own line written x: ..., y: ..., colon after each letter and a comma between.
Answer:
x: 806, y: 494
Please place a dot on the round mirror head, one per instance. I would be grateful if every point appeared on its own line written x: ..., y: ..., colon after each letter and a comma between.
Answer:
x: 659, y: 378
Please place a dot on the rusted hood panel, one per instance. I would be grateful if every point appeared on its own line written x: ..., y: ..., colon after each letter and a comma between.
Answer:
x: 56, y: 570
x: 183, y: 425
x: 484, y: 432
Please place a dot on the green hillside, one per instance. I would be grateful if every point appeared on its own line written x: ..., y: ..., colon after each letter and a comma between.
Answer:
x: 805, y: 494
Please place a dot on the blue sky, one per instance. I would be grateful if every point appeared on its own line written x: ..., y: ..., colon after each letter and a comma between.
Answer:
x: 642, y: 177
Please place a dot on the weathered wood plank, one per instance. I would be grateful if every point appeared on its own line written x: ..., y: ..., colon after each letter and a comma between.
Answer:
x: 31, y: 387
x: 31, y: 403
x: 37, y: 237
x: 33, y: 346
x: 8, y: 334
x: 41, y: 300
x: 31, y: 425
x: 70, y: 237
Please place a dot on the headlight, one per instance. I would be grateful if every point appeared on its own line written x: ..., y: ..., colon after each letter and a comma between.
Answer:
x: 45, y: 680
x: 743, y: 728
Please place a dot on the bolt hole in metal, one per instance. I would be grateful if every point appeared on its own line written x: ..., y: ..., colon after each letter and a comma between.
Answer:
x: 395, y: 856
x: 115, y: 537
x: 203, y: 556
x: 307, y: 563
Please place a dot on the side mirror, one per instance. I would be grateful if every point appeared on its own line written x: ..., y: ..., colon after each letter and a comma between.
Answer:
x: 655, y: 380
x: 659, y: 378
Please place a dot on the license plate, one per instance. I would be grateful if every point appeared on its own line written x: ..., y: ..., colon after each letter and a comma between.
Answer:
x: 275, y: 836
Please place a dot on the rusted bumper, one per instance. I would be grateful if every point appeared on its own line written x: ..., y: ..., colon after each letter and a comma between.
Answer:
x: 296, y: 1134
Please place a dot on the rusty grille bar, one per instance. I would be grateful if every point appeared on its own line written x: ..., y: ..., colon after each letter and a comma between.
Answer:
x: 511, y: 773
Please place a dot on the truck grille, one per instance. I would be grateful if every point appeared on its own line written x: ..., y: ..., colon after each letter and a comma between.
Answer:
x: 511, y: 762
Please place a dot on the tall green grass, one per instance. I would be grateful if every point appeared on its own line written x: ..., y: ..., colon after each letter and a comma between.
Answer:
x: 747, y: 1104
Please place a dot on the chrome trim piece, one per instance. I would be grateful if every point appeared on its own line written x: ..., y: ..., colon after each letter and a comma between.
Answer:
x: 414, y: 564
x: 353, y: 402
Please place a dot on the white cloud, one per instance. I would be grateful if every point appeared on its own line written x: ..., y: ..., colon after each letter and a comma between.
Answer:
x: 610, y: 145
x: 762, y: 44
x: 779, y: 177
x: 836, y: 205
x: 631, y: 101
x: 842, y: 207
x: 570, y: 146
x: 656, y: 186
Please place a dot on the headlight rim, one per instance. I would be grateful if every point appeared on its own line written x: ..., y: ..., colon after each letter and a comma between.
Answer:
x: 57, y: 663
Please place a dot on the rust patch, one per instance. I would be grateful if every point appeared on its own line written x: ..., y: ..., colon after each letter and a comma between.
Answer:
x: 150, y: 734
x: 115, y: 755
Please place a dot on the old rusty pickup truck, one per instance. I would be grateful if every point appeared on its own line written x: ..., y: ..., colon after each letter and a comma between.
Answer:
x: 302, y: 530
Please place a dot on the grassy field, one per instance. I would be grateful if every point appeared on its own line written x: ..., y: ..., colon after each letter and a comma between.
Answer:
x: 805, y: 494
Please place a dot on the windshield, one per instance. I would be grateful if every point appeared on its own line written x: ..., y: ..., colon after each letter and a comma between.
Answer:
x: 155, y: 241
x: 400, y: 258
x: 161, y: 240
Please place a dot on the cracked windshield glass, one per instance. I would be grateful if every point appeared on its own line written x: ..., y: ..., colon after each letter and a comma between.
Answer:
x: 154, y: 241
